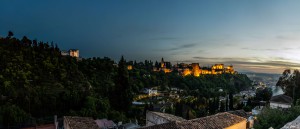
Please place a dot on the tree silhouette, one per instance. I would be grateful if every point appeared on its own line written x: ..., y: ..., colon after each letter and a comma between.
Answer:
x: 10, y: 34
x: 123, y: 94
x: 230, y: 101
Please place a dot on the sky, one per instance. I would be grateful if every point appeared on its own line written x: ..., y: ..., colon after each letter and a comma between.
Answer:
x: 252, y: 35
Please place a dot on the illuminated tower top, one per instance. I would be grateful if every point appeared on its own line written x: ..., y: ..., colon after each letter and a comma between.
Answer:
x: 162, y: 63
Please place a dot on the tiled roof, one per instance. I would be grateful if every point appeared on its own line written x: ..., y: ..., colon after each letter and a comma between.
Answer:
x: 76, y: 122
x: 169, y: 117
x: 281, y: 99
x: 170, y: 125
x: 218, y: 121
x: 103, y: 123
x: 240, y: 113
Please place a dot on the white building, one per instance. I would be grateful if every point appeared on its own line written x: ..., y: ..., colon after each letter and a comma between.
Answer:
x: 281, y: 101
x: 71, y: 52
x: 149, y: 91
x: 65, y: 53
x: 74, y: 53
x: 257, y: 110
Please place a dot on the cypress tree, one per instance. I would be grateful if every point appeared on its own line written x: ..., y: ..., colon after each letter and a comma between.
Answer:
x: 230, y: 101
x: 123, y: 94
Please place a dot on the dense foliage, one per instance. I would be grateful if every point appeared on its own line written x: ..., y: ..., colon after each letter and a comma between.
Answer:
x: 276, y: 118
x: 36, y: 81
x: 290, y: 83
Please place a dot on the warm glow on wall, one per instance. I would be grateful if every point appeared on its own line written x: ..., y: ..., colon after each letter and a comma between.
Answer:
x: 197, y: 73
x: 167, y: 70
x: 74, y: 53
x: 193, y: 69
x: 196, y: 69
x: 129, y: 67
x: 187, y: 72
x: 218, y: 66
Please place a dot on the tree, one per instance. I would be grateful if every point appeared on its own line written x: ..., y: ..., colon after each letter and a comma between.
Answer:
x: 264, y: 94
x: 26, y: 41
x: 123, y: 95
x: 146, y: 108
x: 211, y: 106
x: 178, y: 109
x: 290, y: 83
x: 222, y: 107
x: 230, y: 101
x: 190, y: 114
x: 276, y: 118
x: 12, y: 115
x: 226, y: 104
x: 10, y: 34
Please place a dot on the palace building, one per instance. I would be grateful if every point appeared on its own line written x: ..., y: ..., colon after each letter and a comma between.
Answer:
x: 71, y: 52
x: 164, y: 66
x: 194, y: 69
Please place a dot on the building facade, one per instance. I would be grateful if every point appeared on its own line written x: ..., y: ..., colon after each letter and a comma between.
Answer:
x: 193, y: 69
x: 71, y: 52
x: 281, y: 101
x: 218, y: 121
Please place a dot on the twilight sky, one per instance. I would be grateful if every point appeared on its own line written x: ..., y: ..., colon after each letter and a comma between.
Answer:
x: 252, y: 35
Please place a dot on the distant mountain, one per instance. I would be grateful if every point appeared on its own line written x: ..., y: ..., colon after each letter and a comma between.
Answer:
x: 269, y: 79
x: 245, y: 71
x: 258, y: 73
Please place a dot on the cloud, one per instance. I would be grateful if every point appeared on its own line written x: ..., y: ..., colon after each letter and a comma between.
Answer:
x: 272, y: 64
x: 181, y: 53
x: 256, y: 49
x: 266, y: 63
x: 178, y: 47
x: 212, y: 58
x: 285, y: 37
x: 165, y: 38
x: 268, y: 49
x: 184, y: 46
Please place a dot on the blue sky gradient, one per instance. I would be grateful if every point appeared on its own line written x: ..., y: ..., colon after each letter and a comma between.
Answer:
x: 253, y: 35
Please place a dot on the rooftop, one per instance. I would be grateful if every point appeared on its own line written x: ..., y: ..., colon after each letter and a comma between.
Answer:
x: 240, y: 113
x: 281, y: 99
x: 170, y: 125
x: 169, y: 117
x: 218, y: 121
x: 103, y: 123
x: 76, y: 122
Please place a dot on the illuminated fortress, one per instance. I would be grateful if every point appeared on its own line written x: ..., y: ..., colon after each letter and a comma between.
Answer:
x: 164, y: 66
x: 194, y: 69
x: 71, y: 52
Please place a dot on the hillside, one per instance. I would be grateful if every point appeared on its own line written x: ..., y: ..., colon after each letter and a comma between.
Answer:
x: 37, y: 82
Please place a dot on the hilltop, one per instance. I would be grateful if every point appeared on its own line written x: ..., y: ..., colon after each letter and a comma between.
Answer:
x: 37, y: 82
